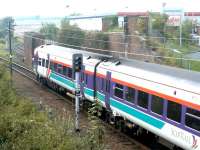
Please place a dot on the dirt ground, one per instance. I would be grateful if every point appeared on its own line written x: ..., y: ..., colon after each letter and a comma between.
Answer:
x: 41, y: 95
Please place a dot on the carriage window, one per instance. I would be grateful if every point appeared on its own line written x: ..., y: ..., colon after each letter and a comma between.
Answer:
x: 192, y: 119
x: 43, y: 62
x: 130, y: 94
x: 157, y: 105
x: 55, y: 67
x: 64, y: 70
x: 39, y: 61
x: 47, y: 63
x: 143, y: 99
x: 51, y: 66
x: 174, y: 111
x: 69, y: 73
x: 118, y: 91
x: 60, y: 68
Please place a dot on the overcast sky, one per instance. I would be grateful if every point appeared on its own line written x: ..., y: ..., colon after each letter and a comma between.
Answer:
x: 66, y: 7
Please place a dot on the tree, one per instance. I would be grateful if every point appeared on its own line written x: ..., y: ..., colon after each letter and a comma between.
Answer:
x: 4, y: 26
x: 186, y: 31
x: 158, y: 22
x: 50, y: 31
x: 71, y: 34
x: 101, y: 40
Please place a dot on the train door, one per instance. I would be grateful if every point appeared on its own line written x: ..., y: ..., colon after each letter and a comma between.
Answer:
x: 82, y: 82
x: 35, y: 62
x: 43, y: 67
x: 47, y: 66
x: 107, y: 89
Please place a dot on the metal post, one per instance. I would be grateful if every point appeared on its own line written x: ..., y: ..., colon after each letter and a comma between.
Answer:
x: 180, y: 42
x: 77, y: 62
x: 10, y: 50
x: 126, y: 36
x: 77, y: 94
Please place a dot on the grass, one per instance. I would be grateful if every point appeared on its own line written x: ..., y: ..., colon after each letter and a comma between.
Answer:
x: 185, y: 48
x: 4, y: 53
x: 115, y: 29
x: 23, y: 125
x: 166, y: 50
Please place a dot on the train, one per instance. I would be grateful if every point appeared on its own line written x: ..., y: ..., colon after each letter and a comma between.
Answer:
x: 144, y: 96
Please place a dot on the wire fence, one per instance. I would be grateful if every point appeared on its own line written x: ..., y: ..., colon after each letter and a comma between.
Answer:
x: 176, y: 58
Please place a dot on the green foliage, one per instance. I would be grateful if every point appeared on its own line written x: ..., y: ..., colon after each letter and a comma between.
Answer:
x: 71, y: 34
x: 96, y: 131
x: 25, y: 126
x: 141, y: 25
x: 3, y: 53
x: 186, y: 31
x: 50, y: 31
x: 158, y: 22
x: 4, y: 26
x: 112, y: 23
x: 194, y: 65
x: 101, y: 41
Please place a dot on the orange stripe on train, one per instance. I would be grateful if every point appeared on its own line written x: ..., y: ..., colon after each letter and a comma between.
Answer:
x: 167, y: 97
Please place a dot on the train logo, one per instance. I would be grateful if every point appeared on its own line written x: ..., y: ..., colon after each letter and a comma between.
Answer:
x: 194, y: 145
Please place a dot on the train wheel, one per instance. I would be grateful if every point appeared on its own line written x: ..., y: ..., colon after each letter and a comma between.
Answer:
x: 107, y: 117
x: 120, y: 124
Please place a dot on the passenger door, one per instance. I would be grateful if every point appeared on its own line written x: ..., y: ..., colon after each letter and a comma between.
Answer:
x: 107, y: 89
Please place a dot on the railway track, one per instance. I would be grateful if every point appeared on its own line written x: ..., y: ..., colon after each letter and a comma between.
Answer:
x: 111, y: 131
x: 24, y: 71
x: 21, y: 69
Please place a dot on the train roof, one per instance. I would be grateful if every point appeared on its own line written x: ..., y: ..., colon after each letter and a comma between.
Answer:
x: 156, y: 68
x: 64, y: 50
x: 162, y: 69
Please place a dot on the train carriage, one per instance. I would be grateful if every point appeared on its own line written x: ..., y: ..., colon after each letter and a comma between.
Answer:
x: 160, y: 99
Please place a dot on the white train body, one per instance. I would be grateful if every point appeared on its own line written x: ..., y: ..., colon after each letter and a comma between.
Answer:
x: 174, y: 89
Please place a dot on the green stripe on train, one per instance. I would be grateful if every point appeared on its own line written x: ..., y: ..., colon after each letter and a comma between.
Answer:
x: 131, y: 111
x: 62, y: 80
x: 139, y: 115
x: 101, y: 96
x: 90, y: 92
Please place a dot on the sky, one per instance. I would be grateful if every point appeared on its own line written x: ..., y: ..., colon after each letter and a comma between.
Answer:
x: 89, y: 7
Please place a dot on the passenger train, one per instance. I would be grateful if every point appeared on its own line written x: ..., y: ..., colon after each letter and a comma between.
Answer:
x: 160, y: 99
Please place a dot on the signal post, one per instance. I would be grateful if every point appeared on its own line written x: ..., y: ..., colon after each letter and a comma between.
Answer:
x: 77, y: 66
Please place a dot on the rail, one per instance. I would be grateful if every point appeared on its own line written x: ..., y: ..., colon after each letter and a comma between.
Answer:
x: 28, y: 73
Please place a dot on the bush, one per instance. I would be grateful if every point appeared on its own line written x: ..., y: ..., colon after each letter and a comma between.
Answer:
x: 101, y: 41
x: 23, y: 126
x: 71, y: 34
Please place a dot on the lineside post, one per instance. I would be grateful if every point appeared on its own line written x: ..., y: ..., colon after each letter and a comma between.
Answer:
x: 126, y: 36
x: 10, y: 50
x: 77, y: 66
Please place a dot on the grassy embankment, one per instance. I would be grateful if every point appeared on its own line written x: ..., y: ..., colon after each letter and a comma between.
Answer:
x: 172, y: 49
x: 25, y: 126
